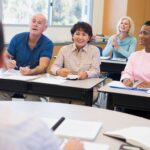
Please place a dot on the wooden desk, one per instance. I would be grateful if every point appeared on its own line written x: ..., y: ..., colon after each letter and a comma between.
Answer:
x: 78, y: 89
x: 126, y: 98
x: 111, y: 120
x: 112, y: 66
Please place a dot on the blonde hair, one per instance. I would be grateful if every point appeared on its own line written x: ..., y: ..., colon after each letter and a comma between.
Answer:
x: 131, y: 23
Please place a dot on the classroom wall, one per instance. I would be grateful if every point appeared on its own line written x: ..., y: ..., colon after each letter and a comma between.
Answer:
x: 138, y: 10
x: 63, y: 33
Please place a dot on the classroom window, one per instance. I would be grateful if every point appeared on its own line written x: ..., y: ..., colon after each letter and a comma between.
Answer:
x: 58, y: 12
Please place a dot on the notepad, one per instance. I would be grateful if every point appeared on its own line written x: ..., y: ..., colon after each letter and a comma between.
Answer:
x: 87, y: 130
x: 137, y: 136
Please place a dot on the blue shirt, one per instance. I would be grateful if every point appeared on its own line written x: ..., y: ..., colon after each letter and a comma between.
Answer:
x: 127, y: 46
x: 24, y: 56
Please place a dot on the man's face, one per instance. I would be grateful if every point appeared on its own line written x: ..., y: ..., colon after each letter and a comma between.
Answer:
x: 37, y: 25
x: 144, y: 35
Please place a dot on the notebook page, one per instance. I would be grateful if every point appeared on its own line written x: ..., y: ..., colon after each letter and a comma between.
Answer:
x: 87, y: 130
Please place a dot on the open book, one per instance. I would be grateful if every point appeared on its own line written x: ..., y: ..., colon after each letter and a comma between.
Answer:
x: 87, y: 130
x: 137, y: 136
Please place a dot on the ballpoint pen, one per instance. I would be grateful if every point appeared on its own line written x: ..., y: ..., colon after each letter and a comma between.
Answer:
x: 57, y: 124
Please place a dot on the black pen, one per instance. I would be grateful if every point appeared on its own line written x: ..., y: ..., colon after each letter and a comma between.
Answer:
x: 57, y: 124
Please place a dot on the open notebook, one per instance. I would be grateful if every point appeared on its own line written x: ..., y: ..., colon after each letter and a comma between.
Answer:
x: 137, y: 136
x: 87, y: 130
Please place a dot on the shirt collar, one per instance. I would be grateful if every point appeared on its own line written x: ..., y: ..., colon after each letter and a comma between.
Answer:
x: 85, y: 48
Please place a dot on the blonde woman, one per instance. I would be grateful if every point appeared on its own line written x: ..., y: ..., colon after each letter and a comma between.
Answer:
x: 123, y: 43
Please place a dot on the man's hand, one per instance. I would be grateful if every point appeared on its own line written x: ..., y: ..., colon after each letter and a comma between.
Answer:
x: 127, y: 82
x: 63, y: 72
x: 25, y: 71
x: 143, y: 84
x: 11, y: 64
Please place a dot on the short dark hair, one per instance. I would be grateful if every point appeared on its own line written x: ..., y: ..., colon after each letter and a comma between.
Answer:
x: 83, y: 26
x: 1, y: 38
x: 147, y: 23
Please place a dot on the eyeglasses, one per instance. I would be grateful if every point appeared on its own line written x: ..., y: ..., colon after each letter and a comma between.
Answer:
x: 129, y: 147
x: 144, y: 32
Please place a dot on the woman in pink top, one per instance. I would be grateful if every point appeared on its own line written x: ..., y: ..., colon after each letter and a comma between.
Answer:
x: 138, y: 66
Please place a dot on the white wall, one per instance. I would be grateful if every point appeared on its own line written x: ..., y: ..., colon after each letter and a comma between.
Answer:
x: 61, y: 34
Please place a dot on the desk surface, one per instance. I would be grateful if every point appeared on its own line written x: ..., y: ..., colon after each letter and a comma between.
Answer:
x: 113, y: 61
x: 123, y: 91
x: 84, y: 84
x: 111, y: 120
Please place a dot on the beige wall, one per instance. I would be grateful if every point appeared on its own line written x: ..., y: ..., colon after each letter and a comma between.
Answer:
x: 113, y: 10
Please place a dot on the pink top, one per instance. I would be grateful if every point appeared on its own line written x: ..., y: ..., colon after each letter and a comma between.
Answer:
x: 138, y: 67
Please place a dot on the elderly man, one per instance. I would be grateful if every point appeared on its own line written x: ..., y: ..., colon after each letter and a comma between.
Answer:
x: 29, y: 52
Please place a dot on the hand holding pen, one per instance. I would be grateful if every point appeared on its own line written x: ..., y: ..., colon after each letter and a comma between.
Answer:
x: 10, y: 63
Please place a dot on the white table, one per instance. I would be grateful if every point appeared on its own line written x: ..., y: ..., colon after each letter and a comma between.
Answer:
x: 111, y: 120
x: 126, y: 98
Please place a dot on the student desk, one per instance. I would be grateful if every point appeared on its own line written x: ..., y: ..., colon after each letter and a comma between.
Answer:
x: 13, y: 85
x: 76, y: 89
x: 126, y: 98
x: 112, y: 66
x: 111, y: 120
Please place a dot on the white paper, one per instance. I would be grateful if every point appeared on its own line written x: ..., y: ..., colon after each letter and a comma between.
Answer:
x: 116, y: 84
x: 138, y: 136
x: 105, y: 58
x: 119, y: 59
x: 49, y: 80
x: 87, y: 130
x: 16, y: 75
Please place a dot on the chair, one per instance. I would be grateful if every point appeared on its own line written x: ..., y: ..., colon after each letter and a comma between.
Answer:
x: 100, y: 50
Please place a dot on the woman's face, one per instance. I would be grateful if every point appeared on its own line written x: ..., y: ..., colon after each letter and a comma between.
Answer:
x: 144, y: 35
x: 124, y: 26
x: 80, y: 38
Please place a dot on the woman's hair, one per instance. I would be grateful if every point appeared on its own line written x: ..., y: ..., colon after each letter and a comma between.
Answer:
x: 131, y: 28
x: 82, y: 26
x: 147, y: 23
x: 1, y: 38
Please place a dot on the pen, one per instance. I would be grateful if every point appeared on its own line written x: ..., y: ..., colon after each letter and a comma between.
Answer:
x: 57, y: 124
